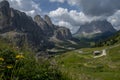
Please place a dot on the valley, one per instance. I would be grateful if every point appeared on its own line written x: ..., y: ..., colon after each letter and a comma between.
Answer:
x: 39, y: 48
x: 81, y: 64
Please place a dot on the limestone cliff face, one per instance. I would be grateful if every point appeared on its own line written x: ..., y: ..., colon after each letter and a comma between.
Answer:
x: 15, y: 25
x: 4, y: 15
x: 52, y: 30
x: 47, y: 29
x: 95, y: 27
x: 48, y: 20
x: 62, y: 33
x: 21, y: 29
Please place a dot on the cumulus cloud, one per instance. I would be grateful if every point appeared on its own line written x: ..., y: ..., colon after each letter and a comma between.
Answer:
x: 115, y: 20
x: 73, y: 2
x: 29, y: 7
x: 71, y: 19
x: 69, y: 26
x: 96, y: 7
x: 93, y: 10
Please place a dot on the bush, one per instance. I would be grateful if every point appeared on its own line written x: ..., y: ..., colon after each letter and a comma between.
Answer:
x: 17, y: 66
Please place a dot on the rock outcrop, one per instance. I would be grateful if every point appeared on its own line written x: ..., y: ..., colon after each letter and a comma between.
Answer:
x: 21, y: 29
x: 47, y: 29
x: 52, y: 30
x: 62, y: 33
x: 15, y: 25
x: 95, y: 27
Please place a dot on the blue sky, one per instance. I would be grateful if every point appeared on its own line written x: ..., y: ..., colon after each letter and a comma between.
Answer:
x: 71, y: 13
x: 48, y: 6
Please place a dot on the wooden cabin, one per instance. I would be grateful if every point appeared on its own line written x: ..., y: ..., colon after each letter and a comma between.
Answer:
x: 95, y: 53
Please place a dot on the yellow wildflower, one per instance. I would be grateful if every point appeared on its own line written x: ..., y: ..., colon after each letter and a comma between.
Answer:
x: 1, y: 59
x: 19, y: 56
x: 9, y: 66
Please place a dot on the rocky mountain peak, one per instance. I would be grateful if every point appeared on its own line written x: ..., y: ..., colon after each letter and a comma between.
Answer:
x: 44, y: 25
x: 38, y: 18
x: 20, y: 29
x: 52, y: 30
x: 4, y: 4
x: 62, y: 33
x: 96, y: 30
x: 4, y: 7
x: 4, y: 14
x: 48, y: 20
x: 96, y: 27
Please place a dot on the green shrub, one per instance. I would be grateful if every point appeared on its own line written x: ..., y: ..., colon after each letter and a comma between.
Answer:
x: 17, y: 66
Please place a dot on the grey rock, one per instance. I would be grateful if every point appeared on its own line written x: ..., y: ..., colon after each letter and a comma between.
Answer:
x: 48, y: 30
x: 96, y: 27
x: 48, y: 20
x: 18, y: 22
x: 20, y: 29
x: 63, y: 33
x: 52, y: 30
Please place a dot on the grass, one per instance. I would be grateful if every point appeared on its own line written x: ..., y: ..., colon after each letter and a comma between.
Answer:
x: 71, y: 65
x: 85, y: 67
x: 17, y: 64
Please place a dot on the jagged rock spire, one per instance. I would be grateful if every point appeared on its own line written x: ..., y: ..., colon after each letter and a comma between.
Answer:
x: 4, y: 3
x: 48, y: 20
x: 38, y: 18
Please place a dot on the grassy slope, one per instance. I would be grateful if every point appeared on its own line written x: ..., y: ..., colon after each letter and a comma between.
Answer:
x: 26, y: 68
x: 85, y: 67
x: 115, y: 39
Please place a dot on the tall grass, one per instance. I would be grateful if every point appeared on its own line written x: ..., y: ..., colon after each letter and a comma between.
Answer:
x: 23, y: 66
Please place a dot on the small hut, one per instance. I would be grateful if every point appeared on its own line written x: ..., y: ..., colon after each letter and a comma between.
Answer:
x: 95, y: 53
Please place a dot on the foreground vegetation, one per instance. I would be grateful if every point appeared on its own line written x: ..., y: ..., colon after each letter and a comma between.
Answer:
x: 81, y: 64
x: 18, y: 64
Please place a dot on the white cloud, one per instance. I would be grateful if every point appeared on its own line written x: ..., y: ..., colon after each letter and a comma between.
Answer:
x: 115, y: 20
x: 71, y: 19
x: 100, y: 7
x: 29, y: 7
x: 68, y: 25
x: 73, y: 2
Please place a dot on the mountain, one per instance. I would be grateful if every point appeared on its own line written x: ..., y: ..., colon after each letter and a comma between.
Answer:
x: 51, y: 30
x: 96, y: 29
x: 21, y: 30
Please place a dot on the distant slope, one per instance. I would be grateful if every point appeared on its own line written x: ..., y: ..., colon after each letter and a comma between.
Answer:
x: 115, y: 39
x: 81, y: 64
x: 95, y: 30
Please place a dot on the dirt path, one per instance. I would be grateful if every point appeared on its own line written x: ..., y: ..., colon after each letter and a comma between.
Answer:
x: 104, y: 53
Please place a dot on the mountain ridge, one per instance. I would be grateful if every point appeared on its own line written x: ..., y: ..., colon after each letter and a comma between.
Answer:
x: 95, y: 27
x: 21, y: 29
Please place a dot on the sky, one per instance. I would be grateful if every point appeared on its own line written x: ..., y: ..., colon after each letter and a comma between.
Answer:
x: 72, y: 13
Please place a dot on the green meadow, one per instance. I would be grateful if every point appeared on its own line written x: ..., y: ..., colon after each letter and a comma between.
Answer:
x: 81, y: 65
